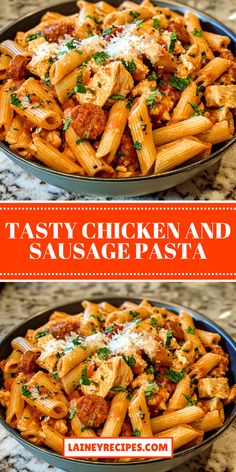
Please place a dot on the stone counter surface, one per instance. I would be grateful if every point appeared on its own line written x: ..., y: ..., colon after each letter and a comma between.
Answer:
x: 216, y: 300
x: 218, y: 183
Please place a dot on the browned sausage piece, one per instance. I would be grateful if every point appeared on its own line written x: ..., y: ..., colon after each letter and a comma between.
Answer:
x: 59, y: 330
x: 126, y: 153
x: 88, y: 120
x: 57, y: 30
x: 181, y: 31
x: 28, y: 362
x: 176, y: 328
x: 126, y: 429
x: 92, y: 410
x: 17, y: 67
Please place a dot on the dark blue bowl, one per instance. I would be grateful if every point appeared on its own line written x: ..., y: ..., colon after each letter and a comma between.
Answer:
x: 163, y: 465
x: 125, y: 187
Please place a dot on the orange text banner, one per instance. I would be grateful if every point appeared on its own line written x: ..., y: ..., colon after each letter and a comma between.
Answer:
x: 117, y: 241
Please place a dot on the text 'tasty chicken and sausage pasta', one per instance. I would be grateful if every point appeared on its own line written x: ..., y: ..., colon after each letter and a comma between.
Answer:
x: 116, y: 92
x: 136, y: 370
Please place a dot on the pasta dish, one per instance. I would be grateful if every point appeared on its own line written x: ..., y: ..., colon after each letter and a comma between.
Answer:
x: 116, y: 92
x: 132, y: 370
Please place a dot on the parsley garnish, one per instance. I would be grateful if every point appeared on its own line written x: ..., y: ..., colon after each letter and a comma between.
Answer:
x: 100, y: 57
x: 73, y: 412
x: 79, y: 88
x: 149, y: 389
x: 118, y: 389
x: 72, y: 44
x: 152, y: 76
x: 179, y: 83
x: 85, y: 428
x: 84, y: 379
x: 153, y: 321
x: 150, y: 370
x: 129, y: 395
x: 138, y: 146
x: 169, y: 336
x: 47, y: 80
x: 203, y: 54
x: 103, y: 352
x: 156, y: 23
x: 201, y: 88
x: 96, y: 20
x: 108, y: 31
x: 78, y: 341
x: 197, y: 32
x: 174, y: 376
x: 109, y: 329
x: 14, y: 100
x: 189, y: 399
x: 33, y: 36
x: 139, y: 23
x: 197, y: 110
x: 117, y: 97
x: 151, y: 99
x: 130, y: 360
x: 136, y: 432
x: 134, y: 15
x: 129, y: 104
x: 193, y: 382
x: 81, y: 140
x: 173, y: 39
x: 40, y: 334
x: 25, y: 392
x: 133, y: 313
x: 67, y: 123
x: 190, y: 330
x: 129, y: 65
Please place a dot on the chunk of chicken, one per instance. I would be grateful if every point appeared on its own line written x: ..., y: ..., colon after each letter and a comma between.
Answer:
x: 214, y: 387
x: 113, y: 79
x: 112, y: 373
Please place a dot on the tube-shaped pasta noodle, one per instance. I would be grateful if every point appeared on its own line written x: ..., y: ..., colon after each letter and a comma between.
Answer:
x: 67, y: 63
x: 11, y: 48
x: 65, y: 88
x: 139, y: 414
x: 169, y: 420
x: 6, y: 112
x: 77, y: 427
x: 178, y: 399
x: 16, y: 404
x: 33, y: 87
x: 22, y: 148
x: 105, y: 7
x: 193, y: 25
x: 125, y: 315
x: 52, y: 16
x: 114, y: 130
x: 23, y: 345
x: 54, y: 159
x: 13, y: 361
x: 214, y: 69
x: 216, y: 41
x: 52, y: 406
x: 188, y: 327
x: 15, y: 131
x: 173, y: 154
x: 116, y: 415
x: 208, y: 338
x: 204, y: 365
x: 29, y: 425
x: 85, y: 154
x: 141, y: 130
x: 211, y: 420
x: 4, y: 64
x: 182, y: 434
x: 40, y: 378
x: 71, y: 380
x: 52, y: 438
x: 174, y: 131
x: 184, y: 109
x: 42, y: 117
x: 74, y: 357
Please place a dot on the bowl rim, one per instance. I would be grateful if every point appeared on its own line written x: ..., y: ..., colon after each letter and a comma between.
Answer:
x: 115, y: 298
x: 184, y: 169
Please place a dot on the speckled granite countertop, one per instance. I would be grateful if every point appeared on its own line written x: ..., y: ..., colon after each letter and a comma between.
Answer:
x: 216, y: 300
x: 219, y: 183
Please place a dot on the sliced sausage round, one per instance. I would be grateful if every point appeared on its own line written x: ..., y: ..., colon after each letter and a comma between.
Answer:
x: 92, y: 410
x: 57, y: 30
x: 17, y: 67
x: 88, y: 120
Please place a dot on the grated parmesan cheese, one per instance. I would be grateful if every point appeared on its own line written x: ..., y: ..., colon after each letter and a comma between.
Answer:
x: 131, y: 341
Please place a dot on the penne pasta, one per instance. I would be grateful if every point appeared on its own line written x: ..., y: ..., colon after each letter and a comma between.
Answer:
x: 177, y: 152
x: 189, y: 127
x: 183, y: 416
